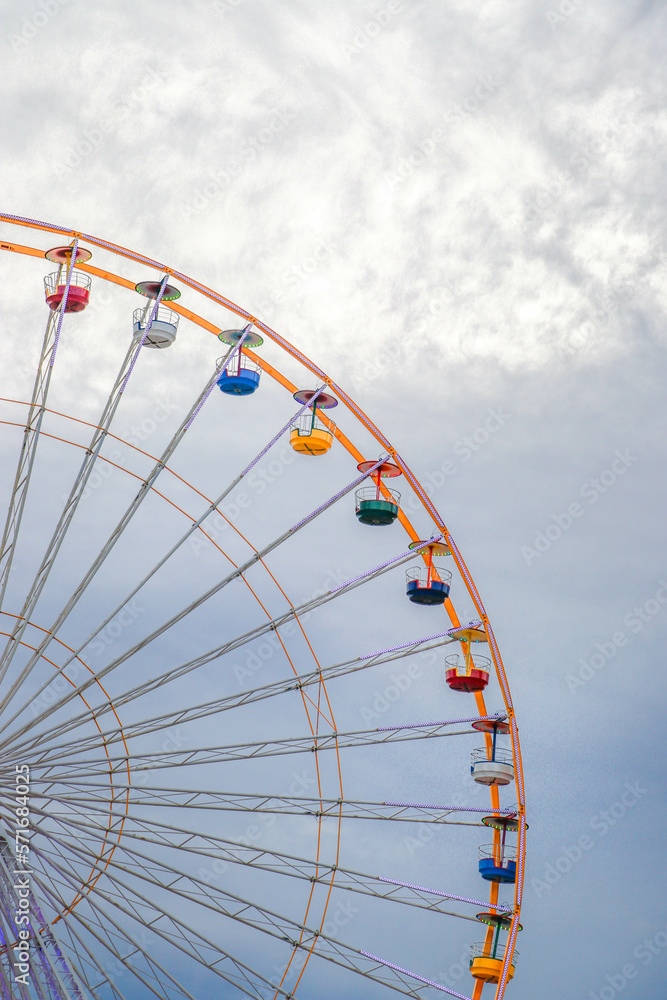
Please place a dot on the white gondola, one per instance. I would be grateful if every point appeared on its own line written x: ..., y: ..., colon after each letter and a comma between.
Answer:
x: 163, y: 329
x: 492, y: 767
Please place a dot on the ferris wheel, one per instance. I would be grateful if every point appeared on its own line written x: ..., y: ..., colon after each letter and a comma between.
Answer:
x: 230, y: 667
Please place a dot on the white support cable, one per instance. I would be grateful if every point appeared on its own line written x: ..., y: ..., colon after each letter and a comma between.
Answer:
x: 216, y: 588
x: 235, y: 852
x: 187, y: 844
x: 57, y: 966
x: 56, y: 903
x: 178, y: 871
x: 180, y: 715
x: 76, y: 492
x: 358, y: 882
x: 31, y: 433
x: 69, y: 885
x: 106, y: 976
x: 125, y: 962
x: 412, y: 975
x: 212, y: 508
x: 59, y: 535
x: 257, y: 750
x: 50, y: 896
x: 71, y: 504
x: 49, y: 767
x: 292, y: 805
x: 191, y: 935
x: 276, y: 925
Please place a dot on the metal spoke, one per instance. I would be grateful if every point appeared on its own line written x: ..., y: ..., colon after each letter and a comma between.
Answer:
x: 183, y: 937
x: 229, y: 851
x: 287, y: 805
x: 270, y: 625
x: 68, y: 514
x: 124, y: 960
x: 75, y: 940
x: 182, y: 715
x: 280, y: 927
x: 211, y: 509
x: 54, y: 964
x: 264, y: 748
x: 92, y: 452
x: 33, y: 427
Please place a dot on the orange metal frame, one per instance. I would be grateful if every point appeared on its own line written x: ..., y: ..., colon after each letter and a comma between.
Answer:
x: 407, y: 525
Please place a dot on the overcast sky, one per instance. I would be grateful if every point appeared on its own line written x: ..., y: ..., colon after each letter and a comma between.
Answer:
x: 455, y: 209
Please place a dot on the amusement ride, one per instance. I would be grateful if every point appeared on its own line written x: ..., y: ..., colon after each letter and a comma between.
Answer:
x: 175, y: 816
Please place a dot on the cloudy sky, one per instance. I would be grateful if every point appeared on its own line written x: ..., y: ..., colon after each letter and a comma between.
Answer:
x: 455, y: 209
